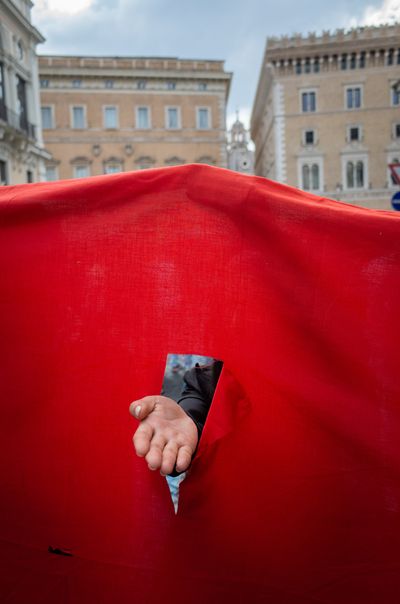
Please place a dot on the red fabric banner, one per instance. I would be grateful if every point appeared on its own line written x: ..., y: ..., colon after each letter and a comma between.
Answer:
x: 294, y: 495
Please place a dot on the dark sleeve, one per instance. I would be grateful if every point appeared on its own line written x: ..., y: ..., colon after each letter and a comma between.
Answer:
x: 196, y: 397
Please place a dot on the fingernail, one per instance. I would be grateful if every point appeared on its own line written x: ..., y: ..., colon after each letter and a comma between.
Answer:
x: 137, y: 411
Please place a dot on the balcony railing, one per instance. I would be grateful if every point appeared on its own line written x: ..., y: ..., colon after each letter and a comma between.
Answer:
x: 17, y: 121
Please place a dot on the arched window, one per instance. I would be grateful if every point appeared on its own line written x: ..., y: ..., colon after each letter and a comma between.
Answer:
x: 112, y: 165
x: 359, y: 174
x: 20, y: 50
x: 395, y: 160
x: 350, y: 175
x: 306, y: 177
x: 174, y: 161
x: 315, y: 177
x: 206, y: 159
x: 355, y: 174
x: 144, y: 162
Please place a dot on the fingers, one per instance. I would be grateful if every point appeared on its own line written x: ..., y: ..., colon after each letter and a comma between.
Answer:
x: 143, y: 407
x: 142, y: 439
x: 159, y: 453
x: 169, y: 457
x: 184, y: 458
x: 155, y: 453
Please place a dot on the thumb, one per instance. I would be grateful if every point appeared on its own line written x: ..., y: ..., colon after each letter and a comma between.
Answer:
x: 141, y: 408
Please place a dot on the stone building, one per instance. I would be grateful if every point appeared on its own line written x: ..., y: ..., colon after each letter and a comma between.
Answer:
x: 110, y: 114
x: 240, y: 157
x: 21, y: 146
x: 326, y: 116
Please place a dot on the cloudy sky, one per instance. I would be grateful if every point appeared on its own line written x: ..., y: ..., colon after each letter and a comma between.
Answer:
x: 211, y: 29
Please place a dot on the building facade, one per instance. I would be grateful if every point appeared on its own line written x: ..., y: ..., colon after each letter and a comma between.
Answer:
x: 326, y: 116
x: 21, y: 147
x: 240, y: 157
x: 103, y: 114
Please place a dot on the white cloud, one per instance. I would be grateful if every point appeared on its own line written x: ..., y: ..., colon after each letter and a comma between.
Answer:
x: 70, y: 7
x: 388, y: 12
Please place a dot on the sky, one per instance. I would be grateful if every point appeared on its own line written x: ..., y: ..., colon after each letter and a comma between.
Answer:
x: 232, y: 30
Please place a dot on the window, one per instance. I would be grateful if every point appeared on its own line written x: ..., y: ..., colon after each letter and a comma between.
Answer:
x: 355, y: 174
x: 396, y: 94
x: 174, y: 161
x: 310, y: 177
x: 141, y: 84
x: 51, y: 173
x: 22, y: 108
x: 309, y: 137
x: 353, y: 97
x: 206, y: 159
x: 316, y: 65
x: 81, y: 171
x: 353, y: 61
x: 2, y: 87
x: 307, y: 66
x: 396, y: 130
x: 203, y: 118
x: 354, y: 134
x: 109, y: 84
x: 3, y: 172
x: 202, y: 85
x: 112, y: 168
x: 361, y: 63
x: 343, y: 62
x: 110, y: 117
x: 308, y: 102
x: 76, y: 83
x: 298, y: 67
x: 390, y: 57
x: 47, y: 117
x: 171, y: 85
x: 172, y: 118
x: 29, y: 176
x: 144, y: 162
x: 393, y: 181
x: 78, y: 116
x: 44, y: 83
x: 142, y: 118
x: 20, y: 50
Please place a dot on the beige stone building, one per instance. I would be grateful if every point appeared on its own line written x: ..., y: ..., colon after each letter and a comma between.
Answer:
x: 105, y: 114
x: 21, y: 147
x: 326, y: 116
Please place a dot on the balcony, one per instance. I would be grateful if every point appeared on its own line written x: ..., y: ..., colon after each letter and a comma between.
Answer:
x: 17, y: 121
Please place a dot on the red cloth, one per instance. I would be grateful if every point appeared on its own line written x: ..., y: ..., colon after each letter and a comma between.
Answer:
x: 295, y: 493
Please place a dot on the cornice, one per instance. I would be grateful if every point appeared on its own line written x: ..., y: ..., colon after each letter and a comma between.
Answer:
x: 361, y: 35
x: 23, y: 21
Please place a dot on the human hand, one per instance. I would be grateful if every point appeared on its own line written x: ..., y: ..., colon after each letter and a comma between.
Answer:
x: 166, y: 436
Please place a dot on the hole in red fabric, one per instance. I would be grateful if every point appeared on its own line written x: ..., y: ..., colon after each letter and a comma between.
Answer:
x: 191, y: 381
